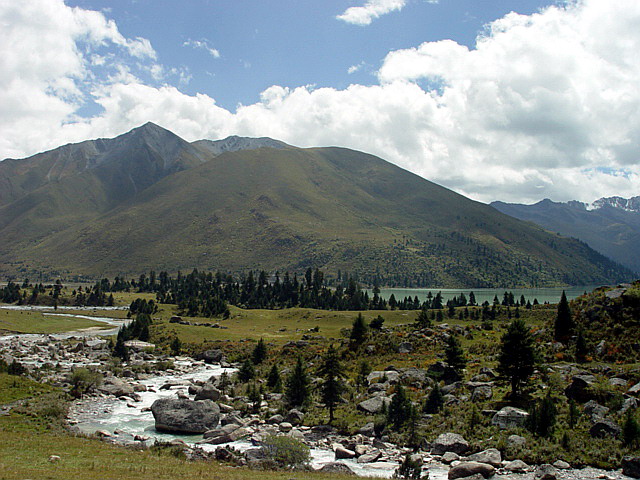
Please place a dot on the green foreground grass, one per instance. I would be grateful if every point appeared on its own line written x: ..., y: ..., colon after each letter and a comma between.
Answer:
x: 32, y: 433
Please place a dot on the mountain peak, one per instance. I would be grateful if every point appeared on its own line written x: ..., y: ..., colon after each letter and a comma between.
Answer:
x: 627, y: 204
x: 235, y: 143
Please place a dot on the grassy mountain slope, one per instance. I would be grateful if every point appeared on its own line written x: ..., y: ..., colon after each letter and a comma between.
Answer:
x: 611, y: 231
x: 269, y: 208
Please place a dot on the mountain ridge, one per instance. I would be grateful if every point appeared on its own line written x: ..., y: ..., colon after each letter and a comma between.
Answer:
x: 153, y: 201
x: 610, y: 225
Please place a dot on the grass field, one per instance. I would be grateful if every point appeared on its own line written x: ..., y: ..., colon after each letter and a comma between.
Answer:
x: 19, y: 321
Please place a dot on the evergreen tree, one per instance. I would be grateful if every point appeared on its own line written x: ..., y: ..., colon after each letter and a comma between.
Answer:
x: 409, y: 469
x: 581, y: 347
x: 364, y: 369
x: 297, y: 391
x: 455, y: 355
x: 631, y: 431
x: 399, y: 409
x: 564, y: 325
x: 376, y: 323
x: 517, y: 355
x: 274, y: 381
x: 423, y: 320
x: 120, y: 350
x: 358, y: 330
x: 542, y: 417
x: 247, y: 371
x: 435, y: 400
x: 259, y: 352
x: 176, y: 346
x: 254, y: 396
x: 332, y: 373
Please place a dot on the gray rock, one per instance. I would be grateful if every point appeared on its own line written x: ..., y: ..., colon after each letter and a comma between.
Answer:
x: 629, y: 404
x: 338, y: 468
x: 275, y: 419
x: 285, y: 427
x: 635, y: 390
x: 373, y: 405
x: 594, y: 410
x: 405, y: 347
x: 482, y: 394
x: 294, y: 417
x: 631, y: 466
x: 509, y: 417
x: 370, y: 457
x: 212, y: 356
x: 449, y: 442
x: 546, y: 472
x: 580, y: 388
x: 343, y: 453
x: 467, y: 469
x: 450, y: 457
x: 561, y: 465
x: 380, y: 376
x: 617, y: 382
x: 368, y: 430
x: 116, y: 387
x: 516, y: 440
x: 185, y: 416
x: 605, y: 428
x: 490, y: 456
x: 516, y: 466
x: 208, y: 392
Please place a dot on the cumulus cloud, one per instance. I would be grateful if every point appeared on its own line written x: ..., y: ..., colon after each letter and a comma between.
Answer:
x: 203, y: 45
x: 545, y: 105
x: 371, y: 10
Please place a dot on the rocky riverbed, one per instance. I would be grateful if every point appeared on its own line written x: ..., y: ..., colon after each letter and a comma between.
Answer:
x: 183, y: 401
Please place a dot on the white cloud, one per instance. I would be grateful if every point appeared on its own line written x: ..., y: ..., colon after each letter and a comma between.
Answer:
x: 354, y: 68
x: 371, y: 10
x: 203, y: 45
x: 545, y: 105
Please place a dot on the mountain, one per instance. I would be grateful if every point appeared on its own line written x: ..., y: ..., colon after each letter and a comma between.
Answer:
x: 150, y: 200
x: 235, y: 143
x: 609, y: 225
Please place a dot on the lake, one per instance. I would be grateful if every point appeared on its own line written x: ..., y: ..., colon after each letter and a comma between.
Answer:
x: 551, y: 295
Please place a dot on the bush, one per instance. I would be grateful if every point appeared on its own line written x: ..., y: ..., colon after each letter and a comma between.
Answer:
x: 286, y: 451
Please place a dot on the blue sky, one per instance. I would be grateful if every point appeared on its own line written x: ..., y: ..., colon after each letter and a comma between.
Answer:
x: 514, y: 100
x: 292, y: 43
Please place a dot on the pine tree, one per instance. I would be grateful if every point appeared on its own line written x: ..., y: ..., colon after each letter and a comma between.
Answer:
x: 332, y: 387
x: 247, y: 371
x: 297, y: 392
x: 364, y: 369
x: 423, y: 320
x: 259, y: 352
x: 455, y: 355
x: 631, y: 431
x: 435, y: 400
x: 274, y: 381
x: 517, y: 355
x: 564, y: 324
x: 358, y: 330
x: 581, y: 348
x: 399, y: 409
x: 176, y: 346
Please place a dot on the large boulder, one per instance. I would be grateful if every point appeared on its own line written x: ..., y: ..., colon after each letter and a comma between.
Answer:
x: 373, y: 405
x: 491, y: 456
x: 343, y: 453
x: 337, y: 468
x: 467, y: 469
x: 546, y: 472
x: 185, y: 416
x: 482, y: 393
x: 212, y: 356
x: 581, y: 388
x: 605, y: 428
x: 595, y: 411
x: 208, y: 392
x: 631, y: 466
x: 449, y: 442
x: 509, y: 417
x: 116, y: 387
x: 227, y: 434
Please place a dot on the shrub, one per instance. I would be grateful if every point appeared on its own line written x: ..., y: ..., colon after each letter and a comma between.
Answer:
x: 286, y: 451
